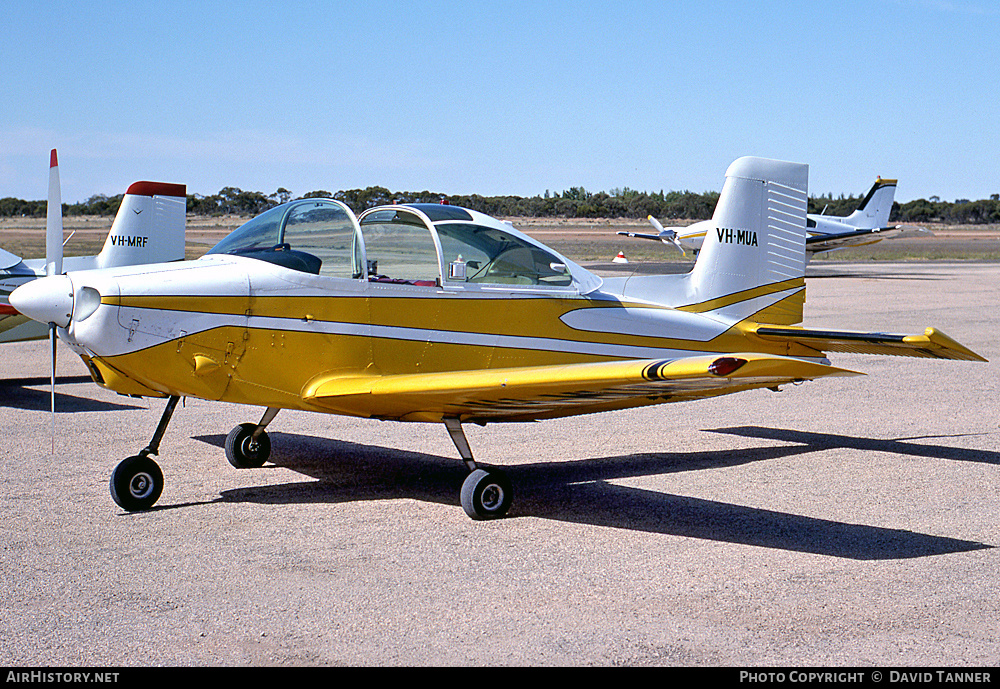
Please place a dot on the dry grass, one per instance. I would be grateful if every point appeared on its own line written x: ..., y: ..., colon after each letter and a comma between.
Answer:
x: 581, y: 239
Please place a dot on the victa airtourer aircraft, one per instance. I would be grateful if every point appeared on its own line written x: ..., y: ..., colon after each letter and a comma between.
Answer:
x: 149, y: 228
x: 868, y: 224
x: 437, y: 314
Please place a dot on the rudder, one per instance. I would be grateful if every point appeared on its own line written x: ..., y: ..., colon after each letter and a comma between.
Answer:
x: 874, y: 209
x: 753, y: 264
x: 149, y: 226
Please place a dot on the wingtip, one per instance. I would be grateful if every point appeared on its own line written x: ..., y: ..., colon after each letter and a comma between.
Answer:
x: 956, y: 349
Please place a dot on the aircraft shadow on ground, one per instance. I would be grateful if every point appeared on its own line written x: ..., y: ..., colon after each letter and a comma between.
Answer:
x: 23, y: 393
x: 579, y: 491
x: 899, y: 446
x: 876, y: 273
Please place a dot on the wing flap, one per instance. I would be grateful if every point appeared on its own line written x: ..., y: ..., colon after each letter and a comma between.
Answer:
x: 933, y: 344
x: 550, y: 391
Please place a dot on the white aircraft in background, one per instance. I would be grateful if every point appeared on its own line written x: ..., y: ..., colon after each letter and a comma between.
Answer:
x: 149, y: 228
x: 866, y: 225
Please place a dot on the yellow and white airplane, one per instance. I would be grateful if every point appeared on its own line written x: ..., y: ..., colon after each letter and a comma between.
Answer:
x: 437, y: 314
x: 868, y: 224
x: 148, y: 228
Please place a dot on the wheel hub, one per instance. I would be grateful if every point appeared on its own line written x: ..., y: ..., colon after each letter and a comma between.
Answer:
x: 141, y: 485
x: 492, y: 497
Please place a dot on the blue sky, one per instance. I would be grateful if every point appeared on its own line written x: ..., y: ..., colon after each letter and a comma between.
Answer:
x: 499, y: 98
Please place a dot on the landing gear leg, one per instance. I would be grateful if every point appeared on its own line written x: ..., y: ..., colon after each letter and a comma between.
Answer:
x: 486, y: 493
x: 247, y: 445
x: 137, y: 482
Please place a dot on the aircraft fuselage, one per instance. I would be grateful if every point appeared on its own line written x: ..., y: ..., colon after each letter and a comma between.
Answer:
x: 263, y: 335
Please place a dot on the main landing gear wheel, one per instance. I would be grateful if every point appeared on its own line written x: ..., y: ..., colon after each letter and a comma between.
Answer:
x: 486, y: 494
x: 136, y: 483
x: 242, y: 451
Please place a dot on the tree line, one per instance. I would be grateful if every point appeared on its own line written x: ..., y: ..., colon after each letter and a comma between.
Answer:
x: 575, y: 202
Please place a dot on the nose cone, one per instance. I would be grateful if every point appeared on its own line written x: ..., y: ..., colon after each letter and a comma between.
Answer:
x: 46, y: 300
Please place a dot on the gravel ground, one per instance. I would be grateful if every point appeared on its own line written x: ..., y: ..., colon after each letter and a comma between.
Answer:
x: 845, y: 522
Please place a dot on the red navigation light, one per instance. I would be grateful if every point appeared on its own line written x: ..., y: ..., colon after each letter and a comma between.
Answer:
x: 723, y: 366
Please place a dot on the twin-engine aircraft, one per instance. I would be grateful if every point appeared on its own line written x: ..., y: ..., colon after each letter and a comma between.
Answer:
x: 868, y: 224
x: 433, y: 313
x: 149, y: 228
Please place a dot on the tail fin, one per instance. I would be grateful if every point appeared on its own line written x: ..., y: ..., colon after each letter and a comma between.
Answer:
x: 149, y: 227
x: 753, y: 263
x: 875, y: 208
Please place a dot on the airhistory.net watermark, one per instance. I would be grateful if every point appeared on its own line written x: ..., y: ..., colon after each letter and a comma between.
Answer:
x: 60, y: 677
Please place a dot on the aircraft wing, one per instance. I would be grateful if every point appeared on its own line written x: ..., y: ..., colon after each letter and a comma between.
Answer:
x: 933, y: 344
x: 859, y: 237
x: 8, y: 260
x: 539, y: 392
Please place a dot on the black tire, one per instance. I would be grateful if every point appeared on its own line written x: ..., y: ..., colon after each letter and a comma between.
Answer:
x: 241, y: 452
x: 136, y: 483
x: 486, y: 494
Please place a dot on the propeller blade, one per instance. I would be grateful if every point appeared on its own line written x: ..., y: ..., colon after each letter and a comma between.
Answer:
x: 668, y: 235
x: 52, y: 393
x: 53, y: 264
x: 53, y: 221
x: 677, y: 242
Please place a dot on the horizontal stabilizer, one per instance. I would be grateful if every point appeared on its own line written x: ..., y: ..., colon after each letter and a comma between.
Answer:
x: 641, y: 235
x: 933, y: 344
x: 537, y: 392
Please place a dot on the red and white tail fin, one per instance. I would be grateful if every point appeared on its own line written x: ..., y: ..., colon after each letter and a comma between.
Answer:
x: 149, y: 226
x: 752, y: 263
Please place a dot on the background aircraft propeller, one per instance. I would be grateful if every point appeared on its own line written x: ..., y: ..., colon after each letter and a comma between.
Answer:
x: 666, y: 235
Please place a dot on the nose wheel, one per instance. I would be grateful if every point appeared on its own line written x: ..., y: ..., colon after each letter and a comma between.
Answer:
x: 136, y: 483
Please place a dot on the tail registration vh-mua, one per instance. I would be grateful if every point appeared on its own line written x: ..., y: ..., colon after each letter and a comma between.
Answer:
x: 437, y: 314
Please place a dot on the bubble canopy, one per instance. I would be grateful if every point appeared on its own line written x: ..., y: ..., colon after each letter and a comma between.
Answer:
x: 414, y: 244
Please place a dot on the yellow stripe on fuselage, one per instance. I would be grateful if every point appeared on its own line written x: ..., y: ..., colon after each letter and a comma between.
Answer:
x: 744, y: 295
x: 285, y: 342
x: 520, y: 317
